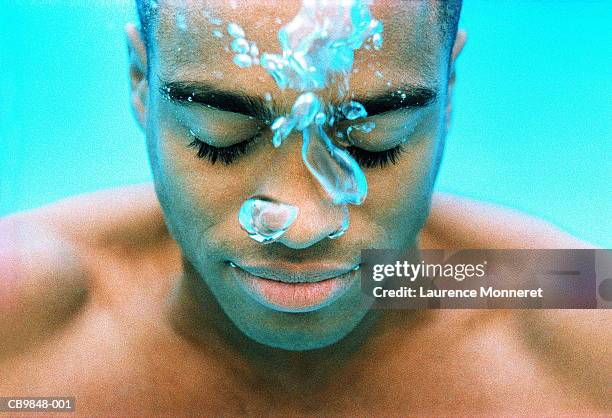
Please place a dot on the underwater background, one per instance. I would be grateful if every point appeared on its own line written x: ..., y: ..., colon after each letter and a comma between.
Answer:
x: 532, y: 126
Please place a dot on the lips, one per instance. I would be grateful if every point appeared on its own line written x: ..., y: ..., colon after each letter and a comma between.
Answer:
x: 293, y: 291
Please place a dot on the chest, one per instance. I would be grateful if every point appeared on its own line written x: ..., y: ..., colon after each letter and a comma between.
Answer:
x: 114, y: 367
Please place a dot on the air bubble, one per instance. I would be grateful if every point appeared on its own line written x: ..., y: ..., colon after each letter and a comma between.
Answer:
x: 266, y: 220
x: 320, y: 118
x: 254, y: 50
x: 377, y: 40
x: 353, y: 110
x: 240, y: 46
x: 181, y: 22
x: 243, y: 60
x: 235, y: 30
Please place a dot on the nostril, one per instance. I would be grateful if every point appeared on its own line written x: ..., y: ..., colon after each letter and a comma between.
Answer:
x: 343, y: 226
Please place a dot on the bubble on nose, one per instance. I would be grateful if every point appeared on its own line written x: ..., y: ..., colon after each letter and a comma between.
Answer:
x: 266, y: 220
x: 333, y: 167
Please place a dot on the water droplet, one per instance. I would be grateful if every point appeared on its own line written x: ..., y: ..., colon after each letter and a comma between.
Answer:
x: 320, y: 118
x: 282, y: 127
x: 377, y: 73
x: 190, y: 99
x: 254, y: 50
x: 217, y: 34
x: 181, y: 22
x: 240, y: 46
x: 235, y: 30
x: 305, y: 109
x: 403, y: 96
x: 267, y: 96
x: 243, y: 60
x: 265, y: 220
x: 365, y: 127
x: 353, y: 110
x: 377, y: 40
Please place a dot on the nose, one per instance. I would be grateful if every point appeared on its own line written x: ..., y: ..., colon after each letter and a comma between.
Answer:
x: 290, y: 181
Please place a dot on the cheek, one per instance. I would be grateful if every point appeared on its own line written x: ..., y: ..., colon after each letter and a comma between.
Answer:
x: 399, y: 195
x: 200, y: 200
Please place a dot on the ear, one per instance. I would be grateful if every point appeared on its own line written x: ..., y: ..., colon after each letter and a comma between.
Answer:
x: 137, y: 56
x: 460, y: 41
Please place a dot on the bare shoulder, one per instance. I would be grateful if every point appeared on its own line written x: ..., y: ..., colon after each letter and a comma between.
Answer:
x: 52, y: 258
x: 42, y: 282
x: 109, y: 218
x: 574, y: 344
x: 459, y: 222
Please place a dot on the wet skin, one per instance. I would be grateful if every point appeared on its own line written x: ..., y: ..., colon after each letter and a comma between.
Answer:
x: 129, y: 305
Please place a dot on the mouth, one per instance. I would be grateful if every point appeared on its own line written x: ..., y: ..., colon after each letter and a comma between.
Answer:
x: 292, y: 291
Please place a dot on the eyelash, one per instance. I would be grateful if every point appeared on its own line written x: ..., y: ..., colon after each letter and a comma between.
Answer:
x: 227, y: 155
x: 372, y: 159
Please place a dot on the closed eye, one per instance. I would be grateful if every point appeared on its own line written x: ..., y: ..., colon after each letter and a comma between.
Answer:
x: 225, y: 155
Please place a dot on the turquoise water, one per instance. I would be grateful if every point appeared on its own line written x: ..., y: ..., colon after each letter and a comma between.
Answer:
x: 532, y: 126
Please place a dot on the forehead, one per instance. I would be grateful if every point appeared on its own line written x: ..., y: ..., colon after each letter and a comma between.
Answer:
x: 192, y: 42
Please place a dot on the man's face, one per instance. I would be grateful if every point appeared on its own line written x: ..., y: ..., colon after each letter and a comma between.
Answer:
x: 201, y: 200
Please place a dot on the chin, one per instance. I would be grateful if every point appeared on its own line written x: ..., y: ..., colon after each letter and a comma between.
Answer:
x: 304, y: 331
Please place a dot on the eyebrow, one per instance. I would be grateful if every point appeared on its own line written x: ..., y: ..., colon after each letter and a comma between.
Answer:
x: 189, y: 92
x: 405, y: 97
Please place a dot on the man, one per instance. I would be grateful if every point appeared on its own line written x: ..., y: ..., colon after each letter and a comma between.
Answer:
x: 130, y: 300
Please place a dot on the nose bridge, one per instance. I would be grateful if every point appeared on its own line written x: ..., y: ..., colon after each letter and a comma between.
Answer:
x: 290, y: 181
